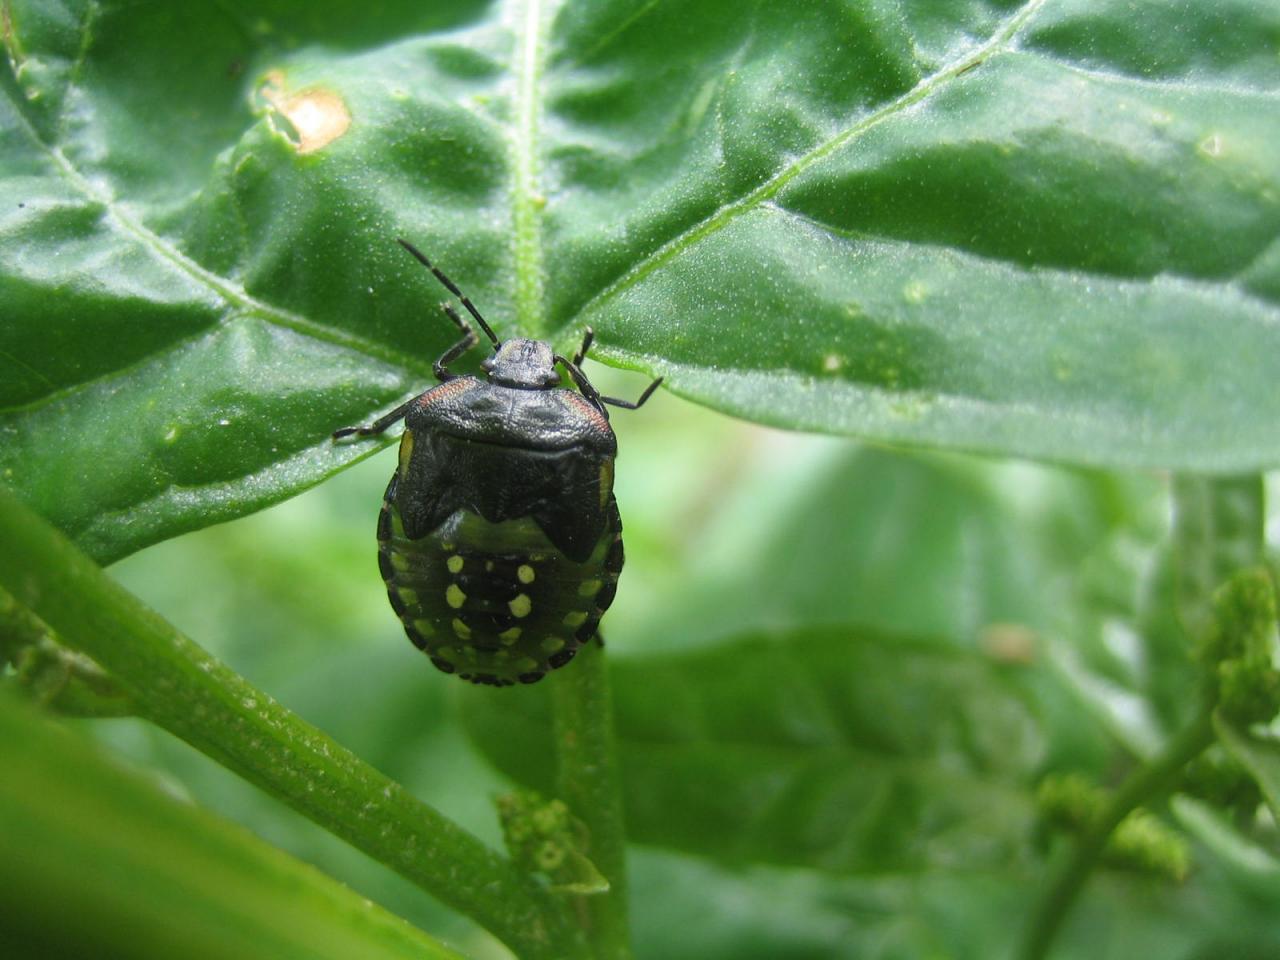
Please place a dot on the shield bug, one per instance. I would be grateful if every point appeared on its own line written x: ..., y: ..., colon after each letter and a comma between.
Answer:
x: 499, y: 537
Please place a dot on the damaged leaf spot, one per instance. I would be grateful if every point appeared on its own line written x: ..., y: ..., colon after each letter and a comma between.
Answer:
x: 310, y: 120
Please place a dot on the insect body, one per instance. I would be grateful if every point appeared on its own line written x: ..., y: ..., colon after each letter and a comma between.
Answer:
x: 499, y: 537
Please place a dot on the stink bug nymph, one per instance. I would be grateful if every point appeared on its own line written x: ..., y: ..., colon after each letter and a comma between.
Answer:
x: 499, y: 537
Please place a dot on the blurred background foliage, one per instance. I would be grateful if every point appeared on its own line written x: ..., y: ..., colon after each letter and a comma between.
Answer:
x: 840, y: 670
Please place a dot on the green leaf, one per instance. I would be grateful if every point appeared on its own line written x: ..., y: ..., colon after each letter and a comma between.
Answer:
x: 844, y: 752
x: 1045, y: 229
x: 98, y: 862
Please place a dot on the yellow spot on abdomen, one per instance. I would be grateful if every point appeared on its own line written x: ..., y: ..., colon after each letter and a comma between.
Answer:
x: 462, y: 631
x: 410, y: 597
x: 454, y: 564
x: 454, y: 596
x: 524, y: 573
x: 589, y: 588
x: 575, y: 619
x: 406, y: 450
x: 606, y: 482
x: 510, y: 636
x: 424, y: 627
x: 552, y: 644
x: 521, y: 605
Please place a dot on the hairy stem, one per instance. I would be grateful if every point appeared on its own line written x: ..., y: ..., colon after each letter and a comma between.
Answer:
x: 588, y: 782
x: 1147, y: 783
x: 173, y: 682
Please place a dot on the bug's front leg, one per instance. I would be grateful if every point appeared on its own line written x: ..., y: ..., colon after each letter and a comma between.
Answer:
x: 378, y: 425
x: 575, y: 371
x: 468, y: 341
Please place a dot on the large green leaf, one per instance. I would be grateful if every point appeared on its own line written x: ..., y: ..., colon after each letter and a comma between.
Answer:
x: 1044, y: 229
x: 840, y: 751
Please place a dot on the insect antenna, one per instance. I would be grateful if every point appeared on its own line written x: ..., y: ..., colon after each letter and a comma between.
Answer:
x: 452, y: 288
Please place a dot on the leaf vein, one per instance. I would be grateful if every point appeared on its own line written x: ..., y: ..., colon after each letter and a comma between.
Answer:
x: 229, y: 292
x: 73, y: 75
x: 1001, y: 39
x: 625, y: 24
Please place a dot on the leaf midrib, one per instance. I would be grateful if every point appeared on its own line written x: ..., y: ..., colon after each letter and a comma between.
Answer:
x: 527, y: 198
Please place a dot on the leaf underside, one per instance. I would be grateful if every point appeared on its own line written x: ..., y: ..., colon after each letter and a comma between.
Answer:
x: 1046, y: 230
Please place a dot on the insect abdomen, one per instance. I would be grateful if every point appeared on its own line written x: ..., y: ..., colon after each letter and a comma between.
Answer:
x: 496, y: 603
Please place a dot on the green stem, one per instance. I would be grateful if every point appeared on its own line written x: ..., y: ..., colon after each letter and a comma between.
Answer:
x: 1145, y: 784
x: 177, y: 685
x: 55, y: 677
x: 589, y: 783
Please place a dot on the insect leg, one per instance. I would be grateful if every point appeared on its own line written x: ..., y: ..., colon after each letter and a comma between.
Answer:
x: 583, y: 383
x: 627, y: 404
x: 587, y: 339
x: 468, y: 341
x: 378, y: 425
x: 591, y: 393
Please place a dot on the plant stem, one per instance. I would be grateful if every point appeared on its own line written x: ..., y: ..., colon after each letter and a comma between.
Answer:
x: 55, y: 677
x: 177, y: 685
x: 588, y: 781
x: 1148, y: 782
